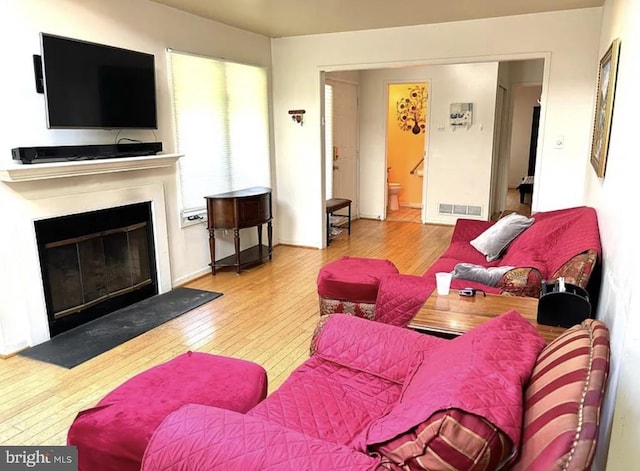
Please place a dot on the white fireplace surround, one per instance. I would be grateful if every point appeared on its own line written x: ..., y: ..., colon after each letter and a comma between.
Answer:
x: 39, y: 197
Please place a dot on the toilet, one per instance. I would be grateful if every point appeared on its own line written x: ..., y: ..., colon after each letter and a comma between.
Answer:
x: 394, y: 189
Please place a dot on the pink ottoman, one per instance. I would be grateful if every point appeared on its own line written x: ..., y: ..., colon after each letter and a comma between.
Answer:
x: 350, y: 285
x: 114, y: 434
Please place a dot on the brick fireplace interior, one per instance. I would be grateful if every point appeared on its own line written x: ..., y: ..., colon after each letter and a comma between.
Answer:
x: 95, y: 262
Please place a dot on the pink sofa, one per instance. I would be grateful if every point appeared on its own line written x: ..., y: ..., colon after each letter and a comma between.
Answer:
x: 375, y: 397
x: 559, y: 243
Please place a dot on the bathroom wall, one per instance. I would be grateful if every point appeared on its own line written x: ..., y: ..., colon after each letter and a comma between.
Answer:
x: 404, y: 148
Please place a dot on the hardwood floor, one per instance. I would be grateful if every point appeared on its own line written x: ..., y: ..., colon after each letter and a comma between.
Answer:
x: 267, y: 315
x: 405, y: 214
x: 514, y: 205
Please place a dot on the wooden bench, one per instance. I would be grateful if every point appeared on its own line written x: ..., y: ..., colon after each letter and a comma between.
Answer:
x: 332, y: 205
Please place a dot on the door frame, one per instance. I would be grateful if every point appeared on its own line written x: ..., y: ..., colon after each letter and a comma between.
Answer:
x: 425, y: 152
x: 355, y: 209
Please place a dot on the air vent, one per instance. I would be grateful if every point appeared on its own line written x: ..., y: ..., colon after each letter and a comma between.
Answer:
x: 474, y: 210
x: 445, y: 209
x: 460, y: 209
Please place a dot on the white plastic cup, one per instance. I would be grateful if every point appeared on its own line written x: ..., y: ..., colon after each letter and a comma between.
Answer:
x: 443, y: 283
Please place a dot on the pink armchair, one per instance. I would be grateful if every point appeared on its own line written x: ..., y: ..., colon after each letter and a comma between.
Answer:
x: 360, y: 383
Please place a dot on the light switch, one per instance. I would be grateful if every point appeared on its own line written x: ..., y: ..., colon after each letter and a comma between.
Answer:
x: 558, y: 142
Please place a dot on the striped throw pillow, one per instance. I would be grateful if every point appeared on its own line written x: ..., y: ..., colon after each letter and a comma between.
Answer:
x: 563, y: 400
x: 449, y: 440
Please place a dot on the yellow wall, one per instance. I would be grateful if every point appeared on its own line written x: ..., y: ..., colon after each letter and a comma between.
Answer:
x: 404, y: 149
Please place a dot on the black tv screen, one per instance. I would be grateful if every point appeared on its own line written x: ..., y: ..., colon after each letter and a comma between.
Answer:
x: 90, y: 85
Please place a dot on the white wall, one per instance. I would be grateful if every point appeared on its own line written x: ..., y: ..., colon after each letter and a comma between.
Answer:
x: 524, y: 99
x: 614, y: 198
x: 531, y: 71
x: 141, y: 25
x: 458, y: 164
x: 569, y: 36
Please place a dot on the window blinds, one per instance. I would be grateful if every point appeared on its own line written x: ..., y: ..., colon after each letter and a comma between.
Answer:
x: 222, y: 126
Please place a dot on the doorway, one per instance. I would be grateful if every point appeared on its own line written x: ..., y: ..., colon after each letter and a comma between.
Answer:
x: 406, y: 127
x: 341, y: 141
x: 524, y: 142
x: 520, y: 90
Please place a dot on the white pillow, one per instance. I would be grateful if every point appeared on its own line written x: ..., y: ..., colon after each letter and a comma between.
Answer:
x: 497, y: 238
x: 486, y: 275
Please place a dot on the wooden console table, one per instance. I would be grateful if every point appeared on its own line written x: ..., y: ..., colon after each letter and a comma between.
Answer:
x: 237, y: 210
x: 453, y: 315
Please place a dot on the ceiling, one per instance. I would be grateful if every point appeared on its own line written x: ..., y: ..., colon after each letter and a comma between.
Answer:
x: 278, y: 18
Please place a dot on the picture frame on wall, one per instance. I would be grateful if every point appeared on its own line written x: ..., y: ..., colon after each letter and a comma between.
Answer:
x: 607, y: 74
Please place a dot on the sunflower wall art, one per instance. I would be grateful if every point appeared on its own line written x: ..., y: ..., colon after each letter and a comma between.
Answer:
x: 411, y: 110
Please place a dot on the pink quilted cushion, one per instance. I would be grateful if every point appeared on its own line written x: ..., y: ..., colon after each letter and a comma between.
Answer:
x: 205, y: 438
x: 384, y: 351
x: 114, y: 434
x: 481, y: 372
x: 328, y: 401
x: 353, y: 278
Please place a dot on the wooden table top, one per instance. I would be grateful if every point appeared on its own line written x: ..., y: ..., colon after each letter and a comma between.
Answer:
x: 454, y: 315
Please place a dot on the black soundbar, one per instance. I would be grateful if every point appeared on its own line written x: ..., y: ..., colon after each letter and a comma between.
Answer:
x: 34, y: 155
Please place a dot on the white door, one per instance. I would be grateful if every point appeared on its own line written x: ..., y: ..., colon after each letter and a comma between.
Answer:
x: 345, y: 142
x: 500, y: 160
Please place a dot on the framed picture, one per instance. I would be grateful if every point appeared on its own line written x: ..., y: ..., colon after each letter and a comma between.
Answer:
x: 604, y: 107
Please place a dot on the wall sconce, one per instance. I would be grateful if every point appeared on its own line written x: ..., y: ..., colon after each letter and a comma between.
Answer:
x: 296, y: 116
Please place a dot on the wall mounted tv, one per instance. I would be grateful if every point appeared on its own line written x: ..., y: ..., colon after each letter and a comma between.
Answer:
x: 89, y: 85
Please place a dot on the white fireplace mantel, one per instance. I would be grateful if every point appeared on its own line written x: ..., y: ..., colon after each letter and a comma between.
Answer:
x: 29, y: 172
x: 37, y: 192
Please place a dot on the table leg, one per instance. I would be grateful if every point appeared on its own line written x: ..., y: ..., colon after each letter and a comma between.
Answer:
x: 212, y: 250
x: 349, y: 223
x: 270, y: 239
x: 236, y: 243
x: 260, y: 242
x: 328, y: 228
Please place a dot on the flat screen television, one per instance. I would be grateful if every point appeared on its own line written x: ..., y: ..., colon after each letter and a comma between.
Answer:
x: 89, y: 85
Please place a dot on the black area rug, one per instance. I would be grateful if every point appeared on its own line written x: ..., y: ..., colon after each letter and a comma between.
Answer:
x: 89, y: 340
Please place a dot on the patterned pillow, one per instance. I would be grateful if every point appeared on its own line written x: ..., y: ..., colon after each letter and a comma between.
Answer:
x: 449, y: 440
x: 521, y: 282
x: 578, y: 269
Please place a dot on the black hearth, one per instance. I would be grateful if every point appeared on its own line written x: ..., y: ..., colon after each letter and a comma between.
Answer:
x: 95, y: 263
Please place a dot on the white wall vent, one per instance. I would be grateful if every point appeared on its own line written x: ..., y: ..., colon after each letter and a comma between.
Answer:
x: 445, y: 208
x: 474, y: 210
x: 460, y: 209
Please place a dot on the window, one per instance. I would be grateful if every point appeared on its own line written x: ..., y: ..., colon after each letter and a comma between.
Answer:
x: 222, y: 126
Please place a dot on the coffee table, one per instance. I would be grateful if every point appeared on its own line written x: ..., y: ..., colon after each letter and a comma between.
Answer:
x: 453, y: 315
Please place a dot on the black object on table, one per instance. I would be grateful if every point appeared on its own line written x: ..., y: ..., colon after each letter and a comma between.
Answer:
x: 563, y: 308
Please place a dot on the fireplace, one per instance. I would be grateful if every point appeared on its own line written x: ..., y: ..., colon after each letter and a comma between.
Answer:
x: 95, y: 262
